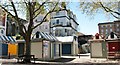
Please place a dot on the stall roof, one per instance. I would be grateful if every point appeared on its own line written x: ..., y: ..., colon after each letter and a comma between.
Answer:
x: 7, y: 38
x: 47, y: 36
x: 116, y: 37
x: 66, y: 39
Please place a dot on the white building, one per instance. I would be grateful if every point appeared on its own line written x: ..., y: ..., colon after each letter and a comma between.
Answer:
x: 44, y: 27
x: 63, y: 23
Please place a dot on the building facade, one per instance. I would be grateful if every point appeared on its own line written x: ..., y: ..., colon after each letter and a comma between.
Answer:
x: 44, y: 27
x: 108, y: 27
x: 117, y: 27
x: 63, y: 23
x: 2, y: 22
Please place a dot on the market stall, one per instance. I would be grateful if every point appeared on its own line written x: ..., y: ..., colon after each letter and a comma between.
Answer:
x: 45, y: 46
x: 98, y: 47
x: 8, y: 47
x: 113, y: 46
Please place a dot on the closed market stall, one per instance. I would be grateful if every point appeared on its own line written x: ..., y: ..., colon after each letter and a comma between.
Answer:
x: 69, y: 45
x: 113, y: 46
x: 8, y: 46
x: 45, y: 46
x: 98, y: 47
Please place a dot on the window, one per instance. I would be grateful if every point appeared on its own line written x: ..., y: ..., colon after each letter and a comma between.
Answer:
x: 106, y: 26
x: 111, y: 25
x: 61, y: 23
x: 2, y: 31
x: 117, y: 25
x: 101, y: 26
x: 102, y: 30
x: 57, y: 13
x: 39, y: 27
x: 53, y: 23
x: 46, y: 27
x: 57, y: 21
x: 65, y: 30
x: 106, y: 31
x: 110, y: 30
x: 118, y: 29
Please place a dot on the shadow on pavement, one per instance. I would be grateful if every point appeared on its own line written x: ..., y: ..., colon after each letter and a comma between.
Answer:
x: 62, y: 60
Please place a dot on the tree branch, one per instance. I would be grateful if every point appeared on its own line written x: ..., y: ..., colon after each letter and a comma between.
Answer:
x: 108, y: 9
x: 7, y: 11
x: 114, y: 15
x: 40, y: 7
x: 17, y: 19
x: 37, y: 14
x: 26, y: 3
x: 15, y: 11
x: 44, y: 19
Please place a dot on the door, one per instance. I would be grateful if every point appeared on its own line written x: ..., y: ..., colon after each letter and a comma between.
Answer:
x: 66, y: 48
x: 113, y: 49
x: 20, y: 48
x: 4, y: 49
x: 96, y: 49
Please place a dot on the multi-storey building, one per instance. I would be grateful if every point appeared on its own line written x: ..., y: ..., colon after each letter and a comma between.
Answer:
x: 44, y: 27
x: 117, y: 27
x: 2, y: 22
x: 118, y: 8
x: 63, y: 23
x: 108, y: 27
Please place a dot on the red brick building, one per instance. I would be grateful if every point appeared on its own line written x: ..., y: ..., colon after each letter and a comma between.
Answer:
x: 108, y: 27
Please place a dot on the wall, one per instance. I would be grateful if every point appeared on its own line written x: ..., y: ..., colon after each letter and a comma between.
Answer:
x: 64, y: 22
x: 60, y: 13
x: 36, y: 49
x: 44, y: 27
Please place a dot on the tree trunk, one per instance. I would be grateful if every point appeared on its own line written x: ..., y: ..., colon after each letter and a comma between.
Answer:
x: 27, y: 50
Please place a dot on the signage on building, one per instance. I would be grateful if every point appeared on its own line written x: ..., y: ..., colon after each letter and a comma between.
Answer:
x: 45, y: 49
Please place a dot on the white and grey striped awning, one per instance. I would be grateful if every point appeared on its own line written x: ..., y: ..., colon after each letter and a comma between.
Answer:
x: 4, y: 38
x: 46, y: 36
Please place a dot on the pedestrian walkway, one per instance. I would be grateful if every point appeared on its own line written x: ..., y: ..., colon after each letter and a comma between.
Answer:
x: 68, y: 60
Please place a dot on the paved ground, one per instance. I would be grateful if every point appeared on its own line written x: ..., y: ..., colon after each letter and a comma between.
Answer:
x: 68, y: 60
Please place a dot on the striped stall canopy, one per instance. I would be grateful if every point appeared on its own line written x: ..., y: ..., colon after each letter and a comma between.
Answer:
x: 4, y: 38
x: 46, y: 36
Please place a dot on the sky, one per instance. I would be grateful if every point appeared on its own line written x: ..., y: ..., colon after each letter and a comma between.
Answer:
x: 87, y: 25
